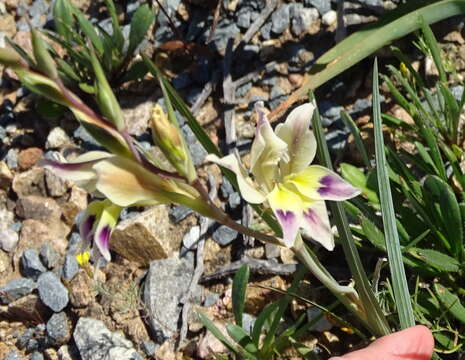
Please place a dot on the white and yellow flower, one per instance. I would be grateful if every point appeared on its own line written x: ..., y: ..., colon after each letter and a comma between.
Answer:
x: 283, y: 177
x: 123, y: 182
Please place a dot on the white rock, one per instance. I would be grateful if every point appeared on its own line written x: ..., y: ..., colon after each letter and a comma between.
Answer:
x: 329, y: 18
x: 56, y: 138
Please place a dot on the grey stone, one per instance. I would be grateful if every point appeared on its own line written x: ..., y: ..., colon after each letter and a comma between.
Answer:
x: 197, y: 151
x: 243, y: 19
x: 224, y: 235
x: 13, y: 355
x: 166, y: 282
x: 49, y: 256
x: 223, y: 33
x: 248, y: 322
x: 36, y: 356
x: 323, y: 6
x: 211, y: 299
x: 56, y: 186
x: 226, y: 188
x: 272, y: 251
x: 82, y: 134
x: 329, y: 18
x: 277, y: 95
x: 8, y: 239
x: 336, y: 140
x: 15, y: 289
x: 265, y: 31
x: 74, y: 243
x: 280, y: 19
x: 52, y: 292
x: 95, y: 342
x: 180, y: 212
x: 191, y: 238
x: 149, y: 347
x: 242, y: 91
x: 32, y: 345
x: 38, y: 7
x: 303, y: 19
x: 58, y: 330
x: 70, y: 267
x: 24, y: 338
x: 11, y: 159
x: 32, y: 267
x: 234, y: 200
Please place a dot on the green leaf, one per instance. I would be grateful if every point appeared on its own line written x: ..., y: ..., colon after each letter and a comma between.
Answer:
x: 394, y: 25
x: 450, y: 302
x: 107, y: 101
x: 448, y: 211
x: 8, y: 58
x: 434, y: 48
x: 239, y: 335
x: 350, y: 123
x: 45, y: 63
x: 140, y: 24
x: 436, y: 259
x: 89, y: 30
x: 63, y: 18
x: 50, y: 110
x: 239, y: 288
x: 399, y: 280
x: 118, y: 37
x: 217, y: 333
x: 136, y: 71
x: 263, y: 318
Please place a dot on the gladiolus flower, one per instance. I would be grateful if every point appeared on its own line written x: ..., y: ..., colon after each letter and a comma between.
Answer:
x: 283, y: 177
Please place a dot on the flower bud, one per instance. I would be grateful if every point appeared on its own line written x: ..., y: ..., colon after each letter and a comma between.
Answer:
x: 168, y: 137
x: 45, y: 63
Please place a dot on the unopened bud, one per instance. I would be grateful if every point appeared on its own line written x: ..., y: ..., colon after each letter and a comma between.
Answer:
x: 9, y: 58
x: 45, y: 63
x: 168, y: 137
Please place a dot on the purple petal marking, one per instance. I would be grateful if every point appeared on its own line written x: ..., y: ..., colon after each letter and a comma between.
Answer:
x: 104, y: 238
x: 289, y: 224
x: 85, y: 228
x: 286, y: 218
x: 333, y: 186
x: 63, y: 166
x: 312, y: 217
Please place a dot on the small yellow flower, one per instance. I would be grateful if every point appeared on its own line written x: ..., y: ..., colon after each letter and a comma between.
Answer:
x: 83, y: 258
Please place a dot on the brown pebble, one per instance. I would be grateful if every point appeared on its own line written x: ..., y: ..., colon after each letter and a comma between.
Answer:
x: 29, y: 157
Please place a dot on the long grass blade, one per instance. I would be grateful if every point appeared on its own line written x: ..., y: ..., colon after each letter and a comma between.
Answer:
x: 377, y: 321
x: 399, y: 280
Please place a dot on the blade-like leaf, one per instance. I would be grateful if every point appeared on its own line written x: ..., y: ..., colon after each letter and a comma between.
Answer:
x: 376, y: 321
x: 450, y: 302
x: 118, y: 37
x: 350, y: 123
x: 395, y: 24
x: 436, y: 259
x: 89, y: 30
x: 399, y: 280
x: 63, y: 18
x: 449, y: 212
x: 140, y: 24
x: 217, y: 332
x: 239, y: 335
x: 238, y: 292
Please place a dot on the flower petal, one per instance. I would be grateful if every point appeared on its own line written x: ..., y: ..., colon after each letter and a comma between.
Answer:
x: 287, y: 206
x: 125, y: 182
x: 246, y: 186
x: 299, y: 139
x: 316, y: 224
x: 267, y: 150
x: 79, y: 170
x: 106, y: 223
x: 319, y: 183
